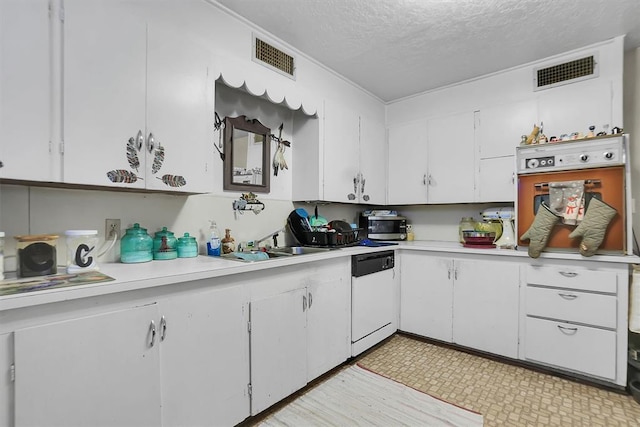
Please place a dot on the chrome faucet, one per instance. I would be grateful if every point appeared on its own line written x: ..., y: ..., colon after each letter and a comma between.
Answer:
x: 273, y: 235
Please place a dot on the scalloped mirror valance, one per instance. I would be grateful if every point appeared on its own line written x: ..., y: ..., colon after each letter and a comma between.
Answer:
x: 270, y: 90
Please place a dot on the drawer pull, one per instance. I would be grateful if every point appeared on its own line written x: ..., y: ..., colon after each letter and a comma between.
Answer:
x: 568, y: 273
x: 568, y: 296
x: 567, y: 331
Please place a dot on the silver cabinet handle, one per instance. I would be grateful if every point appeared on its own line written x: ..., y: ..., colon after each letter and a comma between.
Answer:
x: 304, y: 303
x: 567, y: 331
x: 568, y: 296
x: 430, y: 180
x: 355, y: 184
x: 568, y: 273
x: 163, y: 328
x: 310, y: 299
x: 152, y: 329
x: 449, y: 274
x: 150, y: 142
x: 139, y: 140
x: 455, y: 274
x: 424, y: 179
x: 513, y: 178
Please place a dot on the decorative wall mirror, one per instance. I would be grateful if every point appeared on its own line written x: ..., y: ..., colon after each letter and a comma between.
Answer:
x: 247, y: 148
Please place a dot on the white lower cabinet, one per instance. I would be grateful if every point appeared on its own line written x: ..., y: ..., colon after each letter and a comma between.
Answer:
x: 575, y: 318
x: 485, y: 305
x: 472, y: 302
x: 6, y: 385
x: 575, y: 347
x: 278, y: 347
x: 298, y: 334
x: 180, y: 361
x: 204, y: 358
x: 100, y: 370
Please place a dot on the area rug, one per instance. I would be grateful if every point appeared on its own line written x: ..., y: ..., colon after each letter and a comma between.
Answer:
x: 358, y: 397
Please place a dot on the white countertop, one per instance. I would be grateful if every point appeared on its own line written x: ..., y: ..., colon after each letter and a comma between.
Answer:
x: 130, y: 277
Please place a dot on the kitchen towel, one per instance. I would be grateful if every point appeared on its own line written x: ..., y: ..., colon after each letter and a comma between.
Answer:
x: 566, y: 199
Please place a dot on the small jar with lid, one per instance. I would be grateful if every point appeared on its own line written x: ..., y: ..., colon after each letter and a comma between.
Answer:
x: 467, y: 223
x: 136, y: 245
x: 187, y: 246
x: 164, y: 245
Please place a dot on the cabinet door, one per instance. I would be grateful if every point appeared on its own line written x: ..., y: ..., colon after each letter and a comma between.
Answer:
x: 485, y: 306
x: 278, y: 347
x: 104, y: 90
x: 25, y: 92
x: 451, y: 155
x: 426, y: 295
x: 180, y: 99
x: 341, y: 138
x: 407, y: 182
x: 496, y: 181
x: 502, y: 126
x: 328, y: 325
x: 6, y: 385
x: 101, y: 370
x: 373, y: 162
x: 205, y: 358
x: 575, y: 107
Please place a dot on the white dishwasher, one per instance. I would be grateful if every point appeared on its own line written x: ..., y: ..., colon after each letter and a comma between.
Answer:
x: 373, y: 299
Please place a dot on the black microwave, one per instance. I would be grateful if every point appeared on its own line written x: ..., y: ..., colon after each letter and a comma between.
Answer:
x: 385, y: 227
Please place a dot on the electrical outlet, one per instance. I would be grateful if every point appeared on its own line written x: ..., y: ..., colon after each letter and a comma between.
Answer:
x: 111, y: 225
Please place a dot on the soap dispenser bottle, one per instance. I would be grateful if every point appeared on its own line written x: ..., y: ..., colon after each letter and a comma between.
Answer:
x: 213, y: 245
x: 228, y: 242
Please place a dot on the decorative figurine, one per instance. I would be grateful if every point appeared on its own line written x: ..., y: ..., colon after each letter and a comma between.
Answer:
x: 591, y: 134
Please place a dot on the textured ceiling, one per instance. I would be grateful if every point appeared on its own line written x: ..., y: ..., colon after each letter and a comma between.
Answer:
x: 396, y: 48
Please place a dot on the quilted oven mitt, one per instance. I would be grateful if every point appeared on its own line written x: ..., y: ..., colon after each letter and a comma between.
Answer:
x: 594, y: 226
x: 538, y: 233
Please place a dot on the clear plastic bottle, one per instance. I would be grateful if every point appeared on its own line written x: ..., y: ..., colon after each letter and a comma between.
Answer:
x: 213, y: 245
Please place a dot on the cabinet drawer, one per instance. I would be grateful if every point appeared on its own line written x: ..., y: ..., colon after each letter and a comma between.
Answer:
x: 572, y: 306
x: 576, y: 348
x: 572, y: 278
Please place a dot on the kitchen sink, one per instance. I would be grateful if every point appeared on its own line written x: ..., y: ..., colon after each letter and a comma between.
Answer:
x: 285, y: 251
x: 298, y: 250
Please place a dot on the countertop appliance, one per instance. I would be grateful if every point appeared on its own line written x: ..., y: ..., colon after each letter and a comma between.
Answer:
x: 374, y: 299
x: 383, y: 227
x: 601, y: 163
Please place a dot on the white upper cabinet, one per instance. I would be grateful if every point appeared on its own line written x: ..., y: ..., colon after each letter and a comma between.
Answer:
x: 27, y: 151
x: 347, y: 164
x: 137, y: 101
x: 373, y: 163
x: 341, y: 153
x: 451, y: 158
x: 502, y: 126
x: 407, y: 176
x: 575, y: 107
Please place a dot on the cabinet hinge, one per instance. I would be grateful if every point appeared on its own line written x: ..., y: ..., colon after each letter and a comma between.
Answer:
x: 249, y: 389
x: 12, y: 371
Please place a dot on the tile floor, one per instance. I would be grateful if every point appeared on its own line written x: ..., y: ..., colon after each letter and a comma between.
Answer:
x: 505, y: 394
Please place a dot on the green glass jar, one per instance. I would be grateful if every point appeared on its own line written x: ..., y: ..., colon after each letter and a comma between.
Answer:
x: 136, y: 245
x: 164, y: 245
x: 187, y: 246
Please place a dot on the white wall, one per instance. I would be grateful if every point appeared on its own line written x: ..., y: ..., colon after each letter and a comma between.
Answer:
x: 632, y: 123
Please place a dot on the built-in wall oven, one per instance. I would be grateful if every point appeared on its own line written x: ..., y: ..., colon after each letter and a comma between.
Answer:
x: 600, y: 164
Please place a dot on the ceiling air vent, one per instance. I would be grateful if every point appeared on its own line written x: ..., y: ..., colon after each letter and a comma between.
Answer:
x: 274, y: 58
x: 567, y: 72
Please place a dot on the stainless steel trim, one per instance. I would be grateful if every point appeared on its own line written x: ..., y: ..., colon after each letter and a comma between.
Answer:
x: 163, y: 328
x: 387, y: 236
x: 152, y: 328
